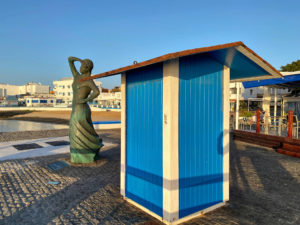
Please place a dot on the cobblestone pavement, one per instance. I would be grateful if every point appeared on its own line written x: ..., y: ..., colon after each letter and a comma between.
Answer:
x: 85, y: 195
x: 264, y: 190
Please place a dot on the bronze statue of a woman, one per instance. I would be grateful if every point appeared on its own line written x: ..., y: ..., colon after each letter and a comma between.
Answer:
x: 84, y: 141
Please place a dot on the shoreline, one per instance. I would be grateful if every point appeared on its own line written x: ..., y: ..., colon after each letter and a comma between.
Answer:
x: 30, y: 135
x: 40, y: 120
x: 55, y: 117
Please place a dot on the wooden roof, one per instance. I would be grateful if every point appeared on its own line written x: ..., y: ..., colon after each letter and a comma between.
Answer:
x: 249, y: 52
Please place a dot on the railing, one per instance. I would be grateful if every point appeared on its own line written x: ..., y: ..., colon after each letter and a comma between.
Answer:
x: 287, y: 126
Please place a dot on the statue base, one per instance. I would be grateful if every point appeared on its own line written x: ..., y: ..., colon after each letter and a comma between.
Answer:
x: 83, y: 156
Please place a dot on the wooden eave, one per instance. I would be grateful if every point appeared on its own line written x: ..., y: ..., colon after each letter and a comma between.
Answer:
x: 174, y: 55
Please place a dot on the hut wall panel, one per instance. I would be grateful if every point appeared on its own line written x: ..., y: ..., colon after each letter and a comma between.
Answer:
x: 144, y: 137
x: 200, y: 134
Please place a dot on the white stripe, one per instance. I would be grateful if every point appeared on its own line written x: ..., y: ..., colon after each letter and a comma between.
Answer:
x: 226, y: 107
x: 123, y: 134
x: 170, y: 140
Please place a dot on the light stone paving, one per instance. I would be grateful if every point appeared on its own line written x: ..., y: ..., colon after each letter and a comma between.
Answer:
x: 9, y: 152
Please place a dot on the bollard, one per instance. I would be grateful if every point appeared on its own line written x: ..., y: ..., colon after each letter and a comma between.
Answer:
x: 290, y: 124
x: 258, y: 121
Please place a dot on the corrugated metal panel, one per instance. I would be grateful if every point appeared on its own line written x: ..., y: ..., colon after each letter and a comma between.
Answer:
x: 200, y: 134
x: 144, y: 137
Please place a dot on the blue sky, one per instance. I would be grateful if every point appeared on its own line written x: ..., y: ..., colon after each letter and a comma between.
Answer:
x: 36, y: 37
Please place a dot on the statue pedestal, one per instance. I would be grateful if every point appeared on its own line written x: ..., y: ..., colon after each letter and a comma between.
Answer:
x: 83, y: 156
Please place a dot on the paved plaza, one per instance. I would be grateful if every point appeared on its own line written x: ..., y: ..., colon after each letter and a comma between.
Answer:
x: 37, y: 147
x: 264, y: 189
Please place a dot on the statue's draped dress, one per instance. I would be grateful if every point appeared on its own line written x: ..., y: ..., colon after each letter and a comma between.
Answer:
x: 84, y: 141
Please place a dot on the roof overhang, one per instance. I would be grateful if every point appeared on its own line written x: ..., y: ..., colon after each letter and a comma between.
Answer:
x: 288, y: 81
x: 245, y: 64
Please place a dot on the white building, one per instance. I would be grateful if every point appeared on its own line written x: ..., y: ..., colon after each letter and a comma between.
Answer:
x: 256, y: 96
x: 7, y: 90
x: 29, y: 88
x: 45, y: 100
x: 252, y: 93
x: 271, y: 100
x: 9, y: 101
x: 63, y: 89
x: 34, y: 88
x: 110, y: 100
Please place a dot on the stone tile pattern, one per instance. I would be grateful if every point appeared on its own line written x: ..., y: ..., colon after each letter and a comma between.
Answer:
x: 264, y: 190
x: 58, y: 165
x: 27, y: 146
x: 58, y: 143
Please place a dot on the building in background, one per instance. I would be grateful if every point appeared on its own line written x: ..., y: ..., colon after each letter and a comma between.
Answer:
x: 13, y: 95
x: 30, y: 88
x: 63, y: 90
x: 254, y: 98
x: 45, y: 100
x: 9, y: 101
x: 8, y: 89
x: 110, y: 99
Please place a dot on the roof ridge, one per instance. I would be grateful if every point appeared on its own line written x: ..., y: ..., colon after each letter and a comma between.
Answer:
x: 176, y: 55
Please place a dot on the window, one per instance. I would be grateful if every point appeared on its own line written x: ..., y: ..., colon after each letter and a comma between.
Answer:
x: 69, y: 86
x: 69, y: 93
x: 51, y: 101
x: 43, y: 101
x: 251, y: 92
x: 35, y: 101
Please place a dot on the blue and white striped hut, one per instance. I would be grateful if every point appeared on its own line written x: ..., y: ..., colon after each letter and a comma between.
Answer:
x: 175, y: 128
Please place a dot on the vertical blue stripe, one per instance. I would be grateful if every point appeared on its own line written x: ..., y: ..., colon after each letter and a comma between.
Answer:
x: 144, y: 137
x: 200, y: 134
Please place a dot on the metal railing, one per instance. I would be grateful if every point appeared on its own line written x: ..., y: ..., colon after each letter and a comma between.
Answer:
x: 273, y: 125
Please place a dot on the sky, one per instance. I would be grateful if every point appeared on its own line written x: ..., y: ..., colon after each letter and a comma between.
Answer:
x: 37, y: 37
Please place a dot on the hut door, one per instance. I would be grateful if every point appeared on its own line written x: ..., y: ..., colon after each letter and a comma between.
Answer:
x: 200, y: 134
x: 144, y: 137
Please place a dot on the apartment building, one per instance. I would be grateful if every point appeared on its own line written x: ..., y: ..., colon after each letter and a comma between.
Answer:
x: 63, y: 89
x: 30, y: 88
x: 255, y: 97
x: 110, y: 100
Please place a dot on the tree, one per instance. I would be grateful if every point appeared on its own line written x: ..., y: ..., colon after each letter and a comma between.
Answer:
x: 116, y: 89
x: 291, y: 67
x: 105, y: 90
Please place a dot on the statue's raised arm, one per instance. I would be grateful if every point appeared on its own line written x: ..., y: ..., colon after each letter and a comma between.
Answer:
x: 74, y: 71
